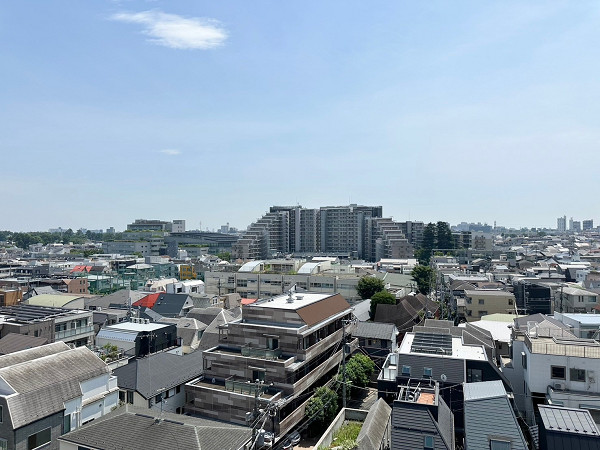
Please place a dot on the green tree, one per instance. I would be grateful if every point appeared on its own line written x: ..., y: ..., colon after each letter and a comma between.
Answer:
x: 225, y: 256
x: 381, y: 297
x: 368, y: 286
x: 427, y: 244
x: 444, y: 238
x: 323, y: 406
x: 423, y: 276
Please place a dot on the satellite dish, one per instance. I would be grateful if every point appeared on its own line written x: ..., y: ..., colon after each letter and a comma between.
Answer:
x: 443, y: 377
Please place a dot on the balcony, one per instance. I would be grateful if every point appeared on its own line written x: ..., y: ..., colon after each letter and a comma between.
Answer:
x: 263, y: 353
x: 73, y: 332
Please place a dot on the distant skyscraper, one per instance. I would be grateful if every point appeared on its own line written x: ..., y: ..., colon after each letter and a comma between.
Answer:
x: 588, y: 224
x: 561, y: 224
x: 576, y: 225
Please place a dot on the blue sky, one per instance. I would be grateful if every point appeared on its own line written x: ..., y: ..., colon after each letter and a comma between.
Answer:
x: 211, y: 111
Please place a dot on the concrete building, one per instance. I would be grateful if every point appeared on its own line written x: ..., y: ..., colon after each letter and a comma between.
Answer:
x: 260, y: 285
x: 50, y: 390
x: 481, y: 302
x: 293, y: 229
x: 139, y: 337
x: 550, y: 365
x: 278, y: 350
x: 561, y: 224
x: 588, y: 225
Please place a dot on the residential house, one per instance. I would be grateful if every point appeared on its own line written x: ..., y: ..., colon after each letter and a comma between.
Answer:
x: 490, y: 421
x: 576, y: 300
x: 139, y: 337
x: 407, y: 312
x: 157, y: 381
x: 10, y: 297
x: 421, y: 419
x: 135, y: 429
x: 567, y: 428
x: 585, y: 326
x: 376, y: 339
x: 480, y: 302
x: 189, y: 332
x: 550, y: 365
x: 278, y: 350
x: 50, y: 390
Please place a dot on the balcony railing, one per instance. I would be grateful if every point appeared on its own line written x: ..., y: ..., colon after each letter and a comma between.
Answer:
x: 73, y: 332
x: 264, y: 353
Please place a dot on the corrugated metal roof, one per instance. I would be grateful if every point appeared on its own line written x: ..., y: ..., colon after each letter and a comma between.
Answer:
x: 568, y: 420
x: 117, y: 335
x: 375, y: 330
x: 485, y: 389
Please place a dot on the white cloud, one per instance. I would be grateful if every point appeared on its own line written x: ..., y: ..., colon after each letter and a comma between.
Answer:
x: 171, y: 152
x: 175, y: 31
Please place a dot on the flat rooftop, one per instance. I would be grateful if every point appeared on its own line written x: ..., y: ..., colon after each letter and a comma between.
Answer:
x: 131, y: 326
x: 458, y: 349
x: 300, y: 300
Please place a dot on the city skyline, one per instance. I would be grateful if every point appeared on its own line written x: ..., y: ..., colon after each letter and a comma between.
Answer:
x: 212, y: 111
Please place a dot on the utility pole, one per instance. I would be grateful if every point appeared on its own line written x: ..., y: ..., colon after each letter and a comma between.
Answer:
x: 344, y: 323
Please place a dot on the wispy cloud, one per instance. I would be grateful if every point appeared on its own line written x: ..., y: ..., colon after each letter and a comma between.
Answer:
x: 171, y: 30
x: 170, y: 152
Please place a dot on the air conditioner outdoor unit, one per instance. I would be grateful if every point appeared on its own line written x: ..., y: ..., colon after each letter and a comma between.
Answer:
x: 559, y: 386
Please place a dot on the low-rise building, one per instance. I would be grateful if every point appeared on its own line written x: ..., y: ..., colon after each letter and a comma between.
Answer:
x: 481, y: 302
x: 50, y: 390
x: 278, y: 350
x: 138, y: 337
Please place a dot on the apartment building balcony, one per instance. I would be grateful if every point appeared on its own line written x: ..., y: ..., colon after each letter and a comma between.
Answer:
x: 264, y: 353
x: 79, y: 332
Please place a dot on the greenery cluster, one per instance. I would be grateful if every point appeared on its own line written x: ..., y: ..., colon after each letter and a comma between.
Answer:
x: 225, y: 256
x: 109, y: 352
x: 359, y: 370
x: 435, y: 236
x: 423, y: 276
x: 368, y: 286
x: 24, y: 240
x: 378, y: 298
x: 323, y: 406
x: 345, y: 437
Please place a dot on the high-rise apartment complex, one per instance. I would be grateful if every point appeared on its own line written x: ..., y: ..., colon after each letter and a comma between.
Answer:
x: 561, y: 224
x: 355, y: 230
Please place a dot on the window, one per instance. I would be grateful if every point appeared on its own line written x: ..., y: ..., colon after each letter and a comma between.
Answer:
x: 510, y: 301
x: 481, y: 301
x: 524, y: 360
x: 158, y: 398
x: 496, y: 444
x: 577, y: 375
x: 258, y: 375
x: 427, y: 372
x: 469, y: 301
x: 429, y: 443
x: 469, y: 312
x: 178, y: 389
x: 130, y: 397
x: 67, y: 423
x: 406, y: 370
x: 3, y: 444
x: 482, y: 313
x: 474, y: 375
x: 557, y: 372
x: 38, y: 439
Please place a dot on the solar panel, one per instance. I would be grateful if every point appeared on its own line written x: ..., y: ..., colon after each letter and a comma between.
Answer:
x: 434, y: 343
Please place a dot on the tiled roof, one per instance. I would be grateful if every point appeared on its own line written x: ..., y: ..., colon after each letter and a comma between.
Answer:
x: 317, y: 312
x: 375, y: 330
x: 126, y: 429
x: 148, y: 301
x: 14, y: 342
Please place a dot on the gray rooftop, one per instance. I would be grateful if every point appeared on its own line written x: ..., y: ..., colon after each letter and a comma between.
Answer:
x: 159, y: 372
x: 487, y: 389
x: 568, y: 420
x: 135, y: 429
x: 375, y: 330
x: 374, y: 427
x: 42, y: 385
